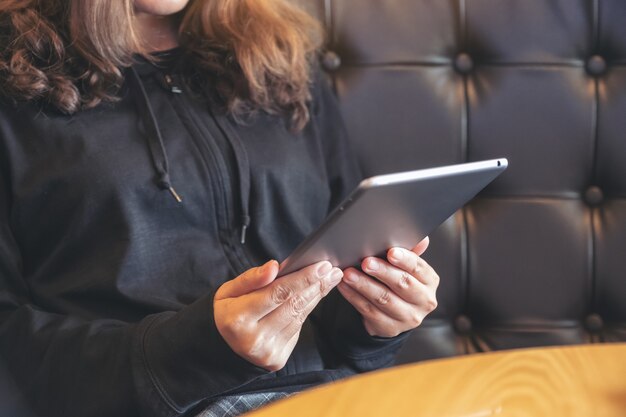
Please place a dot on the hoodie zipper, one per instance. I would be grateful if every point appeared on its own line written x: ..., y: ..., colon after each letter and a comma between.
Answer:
x: 202, y: 134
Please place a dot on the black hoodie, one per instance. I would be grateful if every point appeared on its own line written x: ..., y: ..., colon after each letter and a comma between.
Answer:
x: 107, y: 279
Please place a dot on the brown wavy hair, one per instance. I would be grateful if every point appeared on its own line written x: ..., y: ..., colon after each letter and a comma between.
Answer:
x: 256, y: 55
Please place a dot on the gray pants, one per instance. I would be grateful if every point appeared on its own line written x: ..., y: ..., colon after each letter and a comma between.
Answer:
x: 236, y: 405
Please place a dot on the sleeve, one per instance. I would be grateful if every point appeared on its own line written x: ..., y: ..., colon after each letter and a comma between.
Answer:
x: 339, y: 325
x: 70, y: 366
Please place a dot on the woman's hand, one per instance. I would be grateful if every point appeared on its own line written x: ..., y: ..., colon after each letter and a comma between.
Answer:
x: 392, y: 296
x: 260, y: 317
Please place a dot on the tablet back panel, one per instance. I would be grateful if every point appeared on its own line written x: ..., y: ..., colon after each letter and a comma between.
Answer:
x: 395, y: 210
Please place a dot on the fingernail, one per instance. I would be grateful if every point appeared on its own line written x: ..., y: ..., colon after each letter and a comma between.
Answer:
x: 373, y: 265
x: 335, y: 276
x: 397, y: 254
x: 350, y: 278
x: 266, y: 268
x: 324, y: 269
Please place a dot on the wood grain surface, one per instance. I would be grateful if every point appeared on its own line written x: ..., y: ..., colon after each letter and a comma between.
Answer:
x: 585, y: 381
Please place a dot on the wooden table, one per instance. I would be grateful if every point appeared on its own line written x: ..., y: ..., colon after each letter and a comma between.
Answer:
x: 585, y: 381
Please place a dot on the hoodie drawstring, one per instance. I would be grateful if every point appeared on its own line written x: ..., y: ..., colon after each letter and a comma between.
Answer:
x: 154, y: 138
x: 159, y: 154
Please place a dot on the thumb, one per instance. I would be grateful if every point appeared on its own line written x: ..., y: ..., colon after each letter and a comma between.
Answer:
x: 421, y: 247
x: 251, y: 280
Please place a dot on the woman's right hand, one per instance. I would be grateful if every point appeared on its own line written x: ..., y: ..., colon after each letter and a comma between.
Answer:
x: 260, y: 317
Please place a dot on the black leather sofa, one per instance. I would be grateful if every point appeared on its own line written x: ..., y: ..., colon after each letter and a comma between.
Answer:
x: 539, y: 258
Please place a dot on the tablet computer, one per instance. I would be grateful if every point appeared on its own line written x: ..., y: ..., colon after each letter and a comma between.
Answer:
x: 393, y: 210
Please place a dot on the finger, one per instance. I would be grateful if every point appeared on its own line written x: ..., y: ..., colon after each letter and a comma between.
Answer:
x: 290, y: 315
x: 270, y: 298
x: 370, y: 312
x: 398, y: 280
x: 378, y: 295
x: 251, y: 280
x: 286, y: 345
x: 421, y: 247
x: 410, y: 262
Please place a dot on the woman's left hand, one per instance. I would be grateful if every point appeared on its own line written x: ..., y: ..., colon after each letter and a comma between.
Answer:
x: 393, y: 296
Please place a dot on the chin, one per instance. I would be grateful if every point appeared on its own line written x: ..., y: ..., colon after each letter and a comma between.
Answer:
x: 160, y: 7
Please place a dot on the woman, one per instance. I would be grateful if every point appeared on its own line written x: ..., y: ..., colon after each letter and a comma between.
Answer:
x: 156, y: 157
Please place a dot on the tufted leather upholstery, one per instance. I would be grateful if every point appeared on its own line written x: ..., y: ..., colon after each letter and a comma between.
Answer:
x: 539, y: 258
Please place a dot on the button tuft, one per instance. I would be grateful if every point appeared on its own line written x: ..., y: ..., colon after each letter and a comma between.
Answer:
x: 594, y: 323
x: 331, y: 61
x: 594, y: 196
x: 596, y: 66
x: 463, y: 63
x: 462, y: 324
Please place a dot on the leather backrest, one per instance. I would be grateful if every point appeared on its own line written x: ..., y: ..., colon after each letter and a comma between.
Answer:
x: 539, y: 258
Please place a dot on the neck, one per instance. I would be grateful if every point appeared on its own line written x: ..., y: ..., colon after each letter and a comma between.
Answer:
x: 159, y: 33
